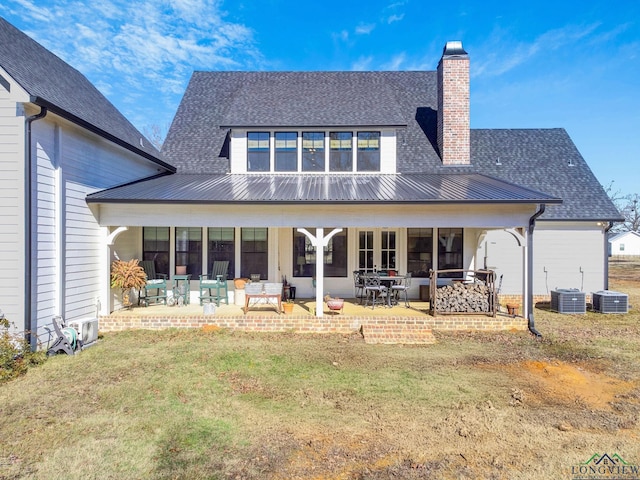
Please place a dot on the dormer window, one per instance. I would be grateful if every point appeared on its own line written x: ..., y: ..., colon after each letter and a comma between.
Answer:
x: 318, y: 151
x: 341, y: 151
x: 258, y: 151
x: 368, y: 151
x: 313, y: 151
x: 286, y: 153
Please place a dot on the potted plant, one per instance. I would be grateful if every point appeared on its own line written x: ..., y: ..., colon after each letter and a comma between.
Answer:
x: 287, y: 306
x: 125, y: 276
x: 335, y: 304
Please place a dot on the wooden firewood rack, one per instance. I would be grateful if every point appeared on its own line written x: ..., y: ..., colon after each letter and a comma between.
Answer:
x: 463, y: 277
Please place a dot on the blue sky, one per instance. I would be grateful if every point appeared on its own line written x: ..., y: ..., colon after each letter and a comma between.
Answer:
x: 570, y: 64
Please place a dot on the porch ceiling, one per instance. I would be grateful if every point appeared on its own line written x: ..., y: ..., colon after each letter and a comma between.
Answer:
x: 455, y: 188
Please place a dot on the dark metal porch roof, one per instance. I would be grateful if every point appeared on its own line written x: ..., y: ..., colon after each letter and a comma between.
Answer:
x: 321, y: 189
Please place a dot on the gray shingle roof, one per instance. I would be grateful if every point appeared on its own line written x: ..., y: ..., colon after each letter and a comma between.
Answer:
x: 52, y: 82
x: 322, y: 188
x: 300, y: 99
x: 537, y: 159
x: 195, y: 142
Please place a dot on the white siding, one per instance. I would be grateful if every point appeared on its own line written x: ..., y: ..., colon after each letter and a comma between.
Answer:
x: 44, y: 234
x: 12, y: 204
x: 69, y: 243
x: 567, y: 255
x: 388, y: 152
x: 238, y: 151
x: 500, y: 251
x: 570, y: 255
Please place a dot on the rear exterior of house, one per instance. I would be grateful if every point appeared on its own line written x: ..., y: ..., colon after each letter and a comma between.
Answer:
x: 60, y: 140
x: 383, y: 166
x: 378, y: 170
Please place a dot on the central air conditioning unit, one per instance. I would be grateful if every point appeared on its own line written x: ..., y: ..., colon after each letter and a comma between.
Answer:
x: 87, y: 329
x: 568, y: 300
x: 607, y: 301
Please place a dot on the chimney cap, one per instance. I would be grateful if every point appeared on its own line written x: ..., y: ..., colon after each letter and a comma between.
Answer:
x: 454, y: 49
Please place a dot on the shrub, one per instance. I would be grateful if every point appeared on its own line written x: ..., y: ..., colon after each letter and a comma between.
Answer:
x: 16, y: 356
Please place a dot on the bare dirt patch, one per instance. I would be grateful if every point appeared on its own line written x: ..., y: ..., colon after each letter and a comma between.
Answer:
x: 553, y: 383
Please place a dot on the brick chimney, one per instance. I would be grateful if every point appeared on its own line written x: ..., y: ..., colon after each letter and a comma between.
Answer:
x: 453, y: 105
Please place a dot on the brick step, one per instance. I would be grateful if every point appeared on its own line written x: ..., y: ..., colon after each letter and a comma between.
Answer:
x: 397, y: 334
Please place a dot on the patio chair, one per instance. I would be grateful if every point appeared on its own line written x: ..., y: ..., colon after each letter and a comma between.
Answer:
x: 403, y: 287
x: 156, y: 286
x: 374, y: 290
x: 213, y: 286
x: 358, y: 284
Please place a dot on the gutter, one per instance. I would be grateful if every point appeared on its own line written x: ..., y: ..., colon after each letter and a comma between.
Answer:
x: 532, y: 223
x: 606, y: 255
x: 28, y: 234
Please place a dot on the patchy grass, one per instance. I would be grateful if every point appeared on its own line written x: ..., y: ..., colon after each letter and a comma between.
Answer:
x: 192, y: 404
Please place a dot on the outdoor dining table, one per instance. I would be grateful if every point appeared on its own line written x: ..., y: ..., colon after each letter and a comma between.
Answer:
x: 388, y: 281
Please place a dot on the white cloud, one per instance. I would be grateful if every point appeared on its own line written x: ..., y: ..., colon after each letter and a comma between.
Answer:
x: 395, y: 18
x: 365, y: 29
x: 362, y: 64
x: 396, y: 62
x: 499, y: 54
x: 128, y: 49
x: 342, y: 36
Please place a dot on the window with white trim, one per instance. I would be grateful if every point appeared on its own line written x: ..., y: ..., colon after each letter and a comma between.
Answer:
x: 258, y: 152
x: 286, y: 151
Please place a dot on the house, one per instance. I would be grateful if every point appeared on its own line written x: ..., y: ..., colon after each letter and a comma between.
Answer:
x: 625, y: 244
x: 378, y: 170
x: 60, y: 139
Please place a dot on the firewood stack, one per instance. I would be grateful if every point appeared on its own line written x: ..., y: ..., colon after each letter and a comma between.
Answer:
x: 463, y: 298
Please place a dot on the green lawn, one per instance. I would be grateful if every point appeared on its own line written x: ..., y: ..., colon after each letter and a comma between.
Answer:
x: 190, y: 404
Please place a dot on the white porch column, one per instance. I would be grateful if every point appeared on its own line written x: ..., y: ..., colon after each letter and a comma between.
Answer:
x: 105, y: 290
x: 319, y: 241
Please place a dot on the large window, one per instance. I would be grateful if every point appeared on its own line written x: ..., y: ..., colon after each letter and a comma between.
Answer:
x: 312, y: 151
x: 450, y: 247
x: 419, y: 251
x: 286, y: 152
x: 254, y: 252
x: 189, y: 249
x: 155, y: 247
x: 335, y: 255
x: 341, y: 152
x: 368, y: 151
x: 221, y: 247
x: 258, y: 152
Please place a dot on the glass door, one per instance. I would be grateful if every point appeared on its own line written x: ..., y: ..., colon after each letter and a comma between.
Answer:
x: 377, y: 250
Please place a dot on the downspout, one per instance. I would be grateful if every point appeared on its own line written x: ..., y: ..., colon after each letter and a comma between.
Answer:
x: 532, y: 223
x: 28, y: 234
x: 606, y: 255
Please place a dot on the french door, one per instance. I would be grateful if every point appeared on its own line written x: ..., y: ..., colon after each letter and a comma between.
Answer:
x: 377, y: 250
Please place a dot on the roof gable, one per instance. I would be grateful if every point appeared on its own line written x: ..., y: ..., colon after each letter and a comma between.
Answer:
x: 622, y: 235
x: 53, y: 83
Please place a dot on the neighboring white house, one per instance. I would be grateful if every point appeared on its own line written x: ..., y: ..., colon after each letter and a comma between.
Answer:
x: 382, y: 167
x: 625, y: 244
x: 60, y: 139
